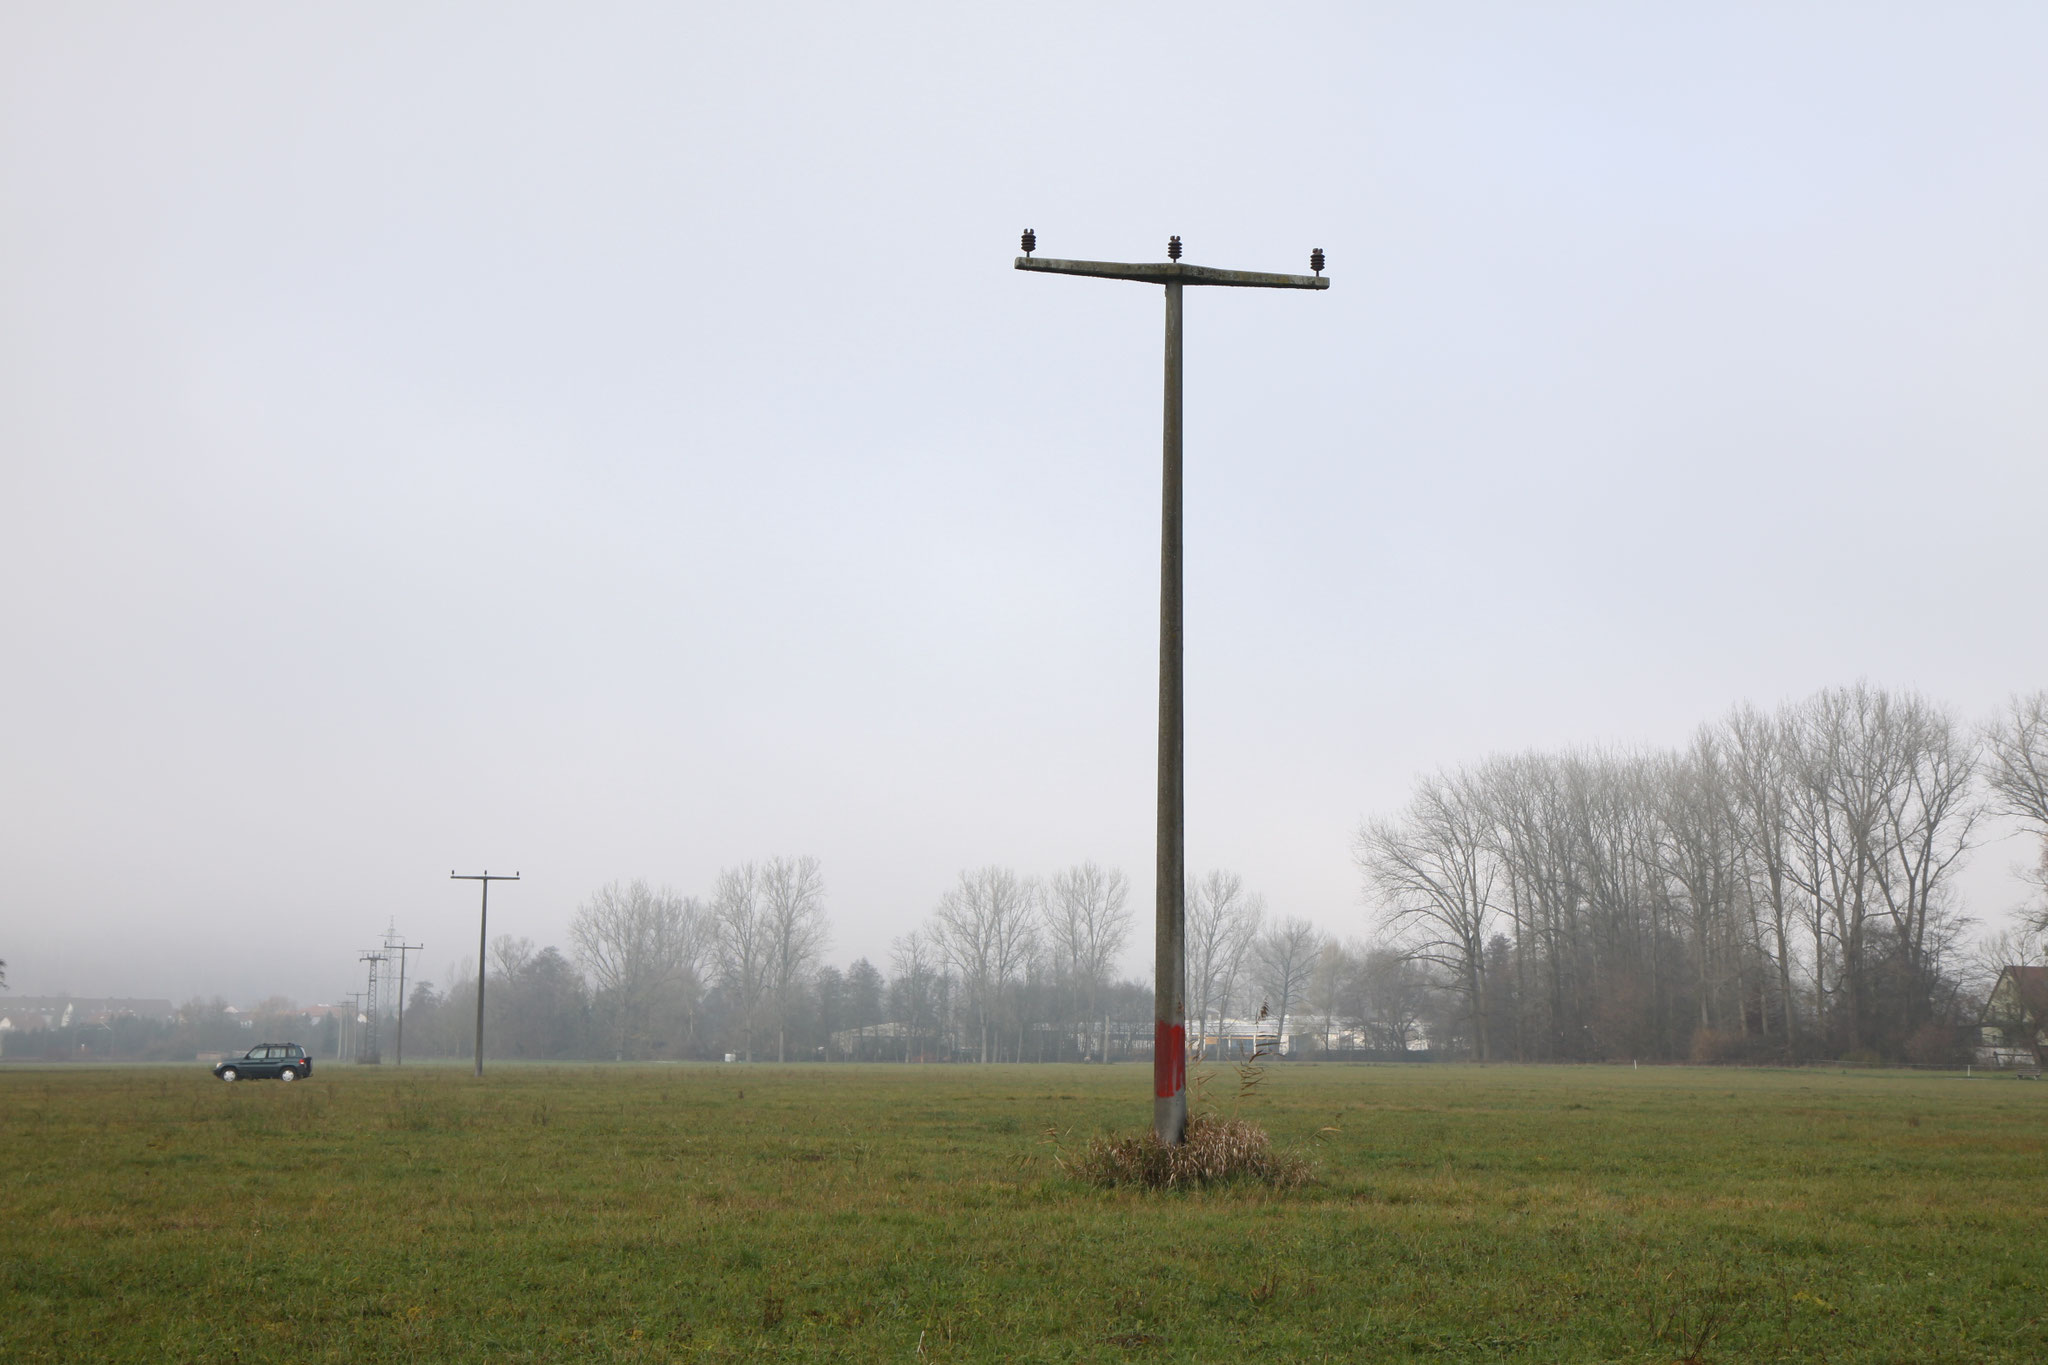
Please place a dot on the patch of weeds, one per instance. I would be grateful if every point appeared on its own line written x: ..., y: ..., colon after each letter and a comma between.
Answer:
x: 1688, y: 1319
x: 1215, y: 1152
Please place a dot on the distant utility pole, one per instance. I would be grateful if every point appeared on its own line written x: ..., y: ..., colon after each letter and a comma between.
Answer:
x: 392, y: 945
x: 482, y: 928
x: 354, y: 1020
x: 1169, y: 979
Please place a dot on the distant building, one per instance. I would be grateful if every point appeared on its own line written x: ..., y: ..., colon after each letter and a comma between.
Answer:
x: 32, y: 1013
x: 2012, y: 1032
x: 853, y: 1041
x: 1237, y: 1039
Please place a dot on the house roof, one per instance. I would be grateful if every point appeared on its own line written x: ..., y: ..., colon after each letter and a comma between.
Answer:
x: 2031, y: 983
x: 2030, y: 980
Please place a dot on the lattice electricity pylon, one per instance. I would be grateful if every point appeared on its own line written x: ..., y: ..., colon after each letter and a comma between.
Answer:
x: 368, y: 1053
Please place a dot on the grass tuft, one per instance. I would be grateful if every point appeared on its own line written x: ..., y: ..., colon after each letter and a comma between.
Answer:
x: 1217, y: 1151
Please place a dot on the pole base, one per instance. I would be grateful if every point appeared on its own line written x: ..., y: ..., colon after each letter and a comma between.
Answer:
x: 1170, y: 1120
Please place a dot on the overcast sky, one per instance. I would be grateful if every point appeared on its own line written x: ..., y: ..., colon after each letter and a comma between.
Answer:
x: 610, y: 441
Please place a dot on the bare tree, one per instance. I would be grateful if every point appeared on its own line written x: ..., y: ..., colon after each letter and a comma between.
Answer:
x: 984, y: 926
x: 1332, y: 980
x: 642, y: 950
x: 510, y: 956
x: 1928, y: 825
x: 745, y: 945
x: 1223, y: 921
x: 793, y: 901
x: 1212, y: 904
x: 1882, y: 815
x: 1087, y: 925
x: 1526, y: 813
x: 913, y: 989
x: 1394, y: 993
x: 2016, y: 770
x: 1759, y: 782
x: 2021, y: 946
x: 1848, y: 767
x: 2016, y: 760
x: 1240, y: 949
x: 1434, y: 873
x: 1696, y: 849
x: 1287, y: 956
x: 864, y: 987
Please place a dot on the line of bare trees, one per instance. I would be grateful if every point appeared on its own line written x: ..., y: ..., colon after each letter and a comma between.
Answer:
x: 1030, y: 967
x: 652, y: 955
x: 1782, y: 886
x: 1008, y: 968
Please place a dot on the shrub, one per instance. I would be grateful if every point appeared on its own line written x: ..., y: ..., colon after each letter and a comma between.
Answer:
x: 1712, y: 1047
x: 1938, y: 1045
x: 1217, y: 1151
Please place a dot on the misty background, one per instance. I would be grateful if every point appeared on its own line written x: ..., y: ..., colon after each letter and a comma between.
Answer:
x: 615, y: 445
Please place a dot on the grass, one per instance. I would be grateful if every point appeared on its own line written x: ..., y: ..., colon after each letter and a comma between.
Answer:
x: 918, y: 1214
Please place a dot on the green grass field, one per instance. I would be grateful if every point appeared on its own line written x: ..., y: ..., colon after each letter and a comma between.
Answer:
x: 914, y: 1213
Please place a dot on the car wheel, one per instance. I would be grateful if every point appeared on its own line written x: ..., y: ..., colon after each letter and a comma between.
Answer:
x: 231, y: 1075
x: 287, y: 1075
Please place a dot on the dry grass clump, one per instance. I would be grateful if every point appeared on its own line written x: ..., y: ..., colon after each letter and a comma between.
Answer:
x: 1218, y: 1151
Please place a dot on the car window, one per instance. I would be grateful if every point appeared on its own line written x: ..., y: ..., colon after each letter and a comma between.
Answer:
x: 254, y: 1054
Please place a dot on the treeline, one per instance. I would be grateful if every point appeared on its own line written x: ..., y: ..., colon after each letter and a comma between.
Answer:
x: 200, y: 1025
x: 1782, y: 887
x: 1007, y: 968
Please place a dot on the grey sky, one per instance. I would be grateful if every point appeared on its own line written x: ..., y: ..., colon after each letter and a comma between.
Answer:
x: 610, y: 441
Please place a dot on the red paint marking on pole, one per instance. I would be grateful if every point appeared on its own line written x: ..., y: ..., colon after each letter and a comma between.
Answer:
x: 1169, y: 1059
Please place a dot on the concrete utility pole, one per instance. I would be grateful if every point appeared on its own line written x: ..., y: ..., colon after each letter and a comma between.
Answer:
x: 482, y: 928
x: 392, y: 944
x: 355, y: 1024
x: 1169, y: 980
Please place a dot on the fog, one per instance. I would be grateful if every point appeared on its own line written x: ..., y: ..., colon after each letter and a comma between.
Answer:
x: 613, y: 443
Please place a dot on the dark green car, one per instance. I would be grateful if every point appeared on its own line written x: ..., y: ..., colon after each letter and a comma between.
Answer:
x: 267, y: 1061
